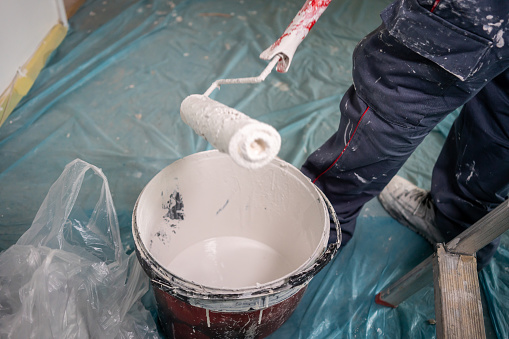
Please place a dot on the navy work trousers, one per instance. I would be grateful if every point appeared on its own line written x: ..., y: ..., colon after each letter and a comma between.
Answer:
x: 428, y: 58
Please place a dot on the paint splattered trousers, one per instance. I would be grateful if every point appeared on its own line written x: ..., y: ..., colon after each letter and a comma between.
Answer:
x: 428, y: 58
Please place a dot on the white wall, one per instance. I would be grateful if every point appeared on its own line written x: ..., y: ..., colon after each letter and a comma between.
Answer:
x: 23, y: 25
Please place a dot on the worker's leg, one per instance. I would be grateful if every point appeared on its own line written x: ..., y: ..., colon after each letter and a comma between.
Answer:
x: 471, y: 176
x: 402, y: 90
x: 374, y: 140
x: 360, y: 158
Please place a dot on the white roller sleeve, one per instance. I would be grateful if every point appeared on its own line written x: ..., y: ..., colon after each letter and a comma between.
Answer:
x: 251, y: 143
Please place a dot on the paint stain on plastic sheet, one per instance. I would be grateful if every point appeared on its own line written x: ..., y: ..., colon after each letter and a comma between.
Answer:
x: 221, y: 15
x: 283, y: 87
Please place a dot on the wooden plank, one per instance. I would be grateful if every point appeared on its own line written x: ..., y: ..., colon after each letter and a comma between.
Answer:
x: 458, y: 306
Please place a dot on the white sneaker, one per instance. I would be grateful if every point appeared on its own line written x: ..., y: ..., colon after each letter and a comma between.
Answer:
x: 411, y: 206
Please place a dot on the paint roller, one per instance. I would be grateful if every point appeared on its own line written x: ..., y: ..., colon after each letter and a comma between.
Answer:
x: 251, y: 143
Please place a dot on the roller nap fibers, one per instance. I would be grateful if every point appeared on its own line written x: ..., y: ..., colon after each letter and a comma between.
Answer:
x: 250, y: 143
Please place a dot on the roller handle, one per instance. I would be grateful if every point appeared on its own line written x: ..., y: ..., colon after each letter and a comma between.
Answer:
x: 298, y: 29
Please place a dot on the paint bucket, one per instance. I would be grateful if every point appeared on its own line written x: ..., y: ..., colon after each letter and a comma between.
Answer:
x: 230, y: 251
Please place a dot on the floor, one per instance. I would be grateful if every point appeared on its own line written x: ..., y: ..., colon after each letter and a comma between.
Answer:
x: 110, y: 95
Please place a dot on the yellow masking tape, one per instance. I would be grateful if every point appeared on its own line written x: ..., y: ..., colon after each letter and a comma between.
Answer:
x: 25, y: 78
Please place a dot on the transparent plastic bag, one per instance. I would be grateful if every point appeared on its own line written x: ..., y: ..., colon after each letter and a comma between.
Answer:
x: 68, y: 275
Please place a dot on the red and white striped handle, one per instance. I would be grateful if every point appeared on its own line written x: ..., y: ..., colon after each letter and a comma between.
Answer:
x: 298, y: 29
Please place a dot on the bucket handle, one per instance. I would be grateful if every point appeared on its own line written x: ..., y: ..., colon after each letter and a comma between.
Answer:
x: 326, y: 257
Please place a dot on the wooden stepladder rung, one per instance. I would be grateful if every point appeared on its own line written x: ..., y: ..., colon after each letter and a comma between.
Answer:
x: 458, y: 305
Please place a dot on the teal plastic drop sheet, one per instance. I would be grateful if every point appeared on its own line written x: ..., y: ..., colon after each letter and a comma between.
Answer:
x: 110, y: 95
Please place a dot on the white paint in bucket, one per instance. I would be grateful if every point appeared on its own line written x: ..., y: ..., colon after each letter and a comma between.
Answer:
x: 230, y: 262
x: 266, y: 228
